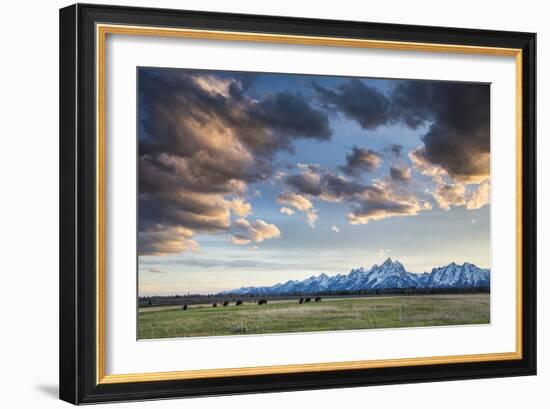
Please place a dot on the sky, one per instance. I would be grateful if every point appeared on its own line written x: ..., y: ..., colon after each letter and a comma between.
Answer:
x: 250, y: 179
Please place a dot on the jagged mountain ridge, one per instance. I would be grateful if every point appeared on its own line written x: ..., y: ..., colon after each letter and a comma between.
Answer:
x: 390, y: 274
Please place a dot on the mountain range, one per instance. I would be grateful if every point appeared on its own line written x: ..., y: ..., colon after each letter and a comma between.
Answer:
x: 389, y: 275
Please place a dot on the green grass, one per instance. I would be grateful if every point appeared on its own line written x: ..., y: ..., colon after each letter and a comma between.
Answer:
x: 327, y: 315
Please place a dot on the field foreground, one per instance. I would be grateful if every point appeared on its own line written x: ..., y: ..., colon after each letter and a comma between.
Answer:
x: 326, y: 315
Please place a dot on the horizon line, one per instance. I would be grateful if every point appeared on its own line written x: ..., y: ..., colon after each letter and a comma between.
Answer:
x: 321, y: 274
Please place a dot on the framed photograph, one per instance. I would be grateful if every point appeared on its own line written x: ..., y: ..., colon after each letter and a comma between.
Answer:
x: 257, y: 203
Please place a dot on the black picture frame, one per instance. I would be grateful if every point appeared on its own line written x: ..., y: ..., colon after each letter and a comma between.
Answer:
x: 78, y: 357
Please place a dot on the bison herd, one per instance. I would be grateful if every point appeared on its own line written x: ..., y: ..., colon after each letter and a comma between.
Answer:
x: 307, y: 299
x: 226, y: 303
x: 261, y: 301
x: 223, y: 304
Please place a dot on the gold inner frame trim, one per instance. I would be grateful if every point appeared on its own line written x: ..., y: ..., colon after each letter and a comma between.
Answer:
x: 101, y: 33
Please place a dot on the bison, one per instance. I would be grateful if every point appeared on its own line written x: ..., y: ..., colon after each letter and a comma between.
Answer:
x: 184, y: 307
x: 214, y: 305
x: 301, y: 300
x: 317, y: 299
x: 239, y: 302
x: 307, y: 299
x: 225, y: 304
x: 262, y: 301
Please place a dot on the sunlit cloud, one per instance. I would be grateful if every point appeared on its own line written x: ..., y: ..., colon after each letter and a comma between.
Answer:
x: 472, y: 193
x: 255, y: 231
x: 287, y: 211
x: 225, y: 158
x: 480, y: 197
x: 368, y: 202
x: 192, y: 118
x: 166, y: 240
x: 203, y: 141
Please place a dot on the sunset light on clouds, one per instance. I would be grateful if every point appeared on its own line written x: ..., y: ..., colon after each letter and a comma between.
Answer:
x: 255, y: 178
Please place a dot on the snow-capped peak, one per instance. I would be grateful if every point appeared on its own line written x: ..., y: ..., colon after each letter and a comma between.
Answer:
x: 390, y: 274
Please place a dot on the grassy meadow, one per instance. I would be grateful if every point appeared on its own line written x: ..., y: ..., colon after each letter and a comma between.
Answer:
x: 327, y: 315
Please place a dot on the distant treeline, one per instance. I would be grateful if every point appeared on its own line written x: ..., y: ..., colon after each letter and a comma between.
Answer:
x: 153, y: 301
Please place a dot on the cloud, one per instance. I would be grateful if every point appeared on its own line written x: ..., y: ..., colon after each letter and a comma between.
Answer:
x: 323, y: 183
x: 394, y: 150
x: 255, y: 231
x: 193, y: 211
x: 299, y: 202
x: 361, y: 160
x: 421, y: 164
x: 383, y: 252
x: 312, y: 217
x: 165, y: 240
x: 479, y: 197
x: 335, y: 229
x: 179, y: 106
x: 295, y: 200
x: 400, y: 174
x: 449, y: 192
x: 368, y: 202
x: 202, y: 142
x: 456, y: 116
x: 157, y: 271
x: 211, y: 262
x: 308, y: 182
x: 240, y: 207
x: 290, y: 115
x: 205, y: 140
x: 459, y: 194
x: 447, y: 195
x: 381, y: 202
x: 287, y: 211
x: 357, y: 101
x: 458, y: 137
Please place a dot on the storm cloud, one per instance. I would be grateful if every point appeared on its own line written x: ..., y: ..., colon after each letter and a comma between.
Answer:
x: 206, y: 138
x: 357, y: 101
x: 458, y: 138
x: 202, y: 142
x: 457, y: 117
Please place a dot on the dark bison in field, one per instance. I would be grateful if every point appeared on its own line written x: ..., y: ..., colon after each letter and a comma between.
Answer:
x: 225, y: 304
x: 239, y: 302
x: 307, y: 299
x: 317, y: 299
x: 214, y: 305
x: 262, y: 301
x: 301, y: 301
x: 184, y: 307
